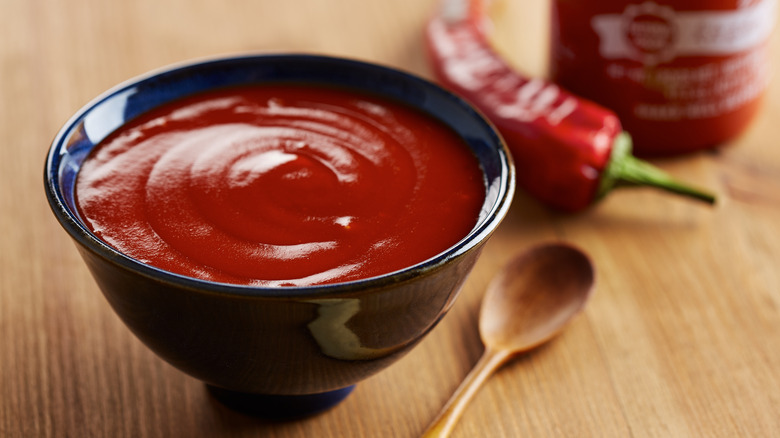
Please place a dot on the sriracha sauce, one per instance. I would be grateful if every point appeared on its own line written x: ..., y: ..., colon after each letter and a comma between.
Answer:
x: 682, y: 75
x: 281, y: 185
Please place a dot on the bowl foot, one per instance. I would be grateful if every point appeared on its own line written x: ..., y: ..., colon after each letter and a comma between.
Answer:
x: 279, y: 407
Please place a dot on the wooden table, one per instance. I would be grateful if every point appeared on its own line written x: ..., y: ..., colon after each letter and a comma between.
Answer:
x: 682, y: 337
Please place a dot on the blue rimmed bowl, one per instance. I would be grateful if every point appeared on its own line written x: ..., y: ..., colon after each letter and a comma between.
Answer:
x: 278, y: 352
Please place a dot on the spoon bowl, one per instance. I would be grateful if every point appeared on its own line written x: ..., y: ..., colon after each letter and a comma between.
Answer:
x: 534, y: 297
x: 530, y: 301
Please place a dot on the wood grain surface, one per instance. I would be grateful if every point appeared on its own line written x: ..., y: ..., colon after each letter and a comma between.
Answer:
x: 682, y: 337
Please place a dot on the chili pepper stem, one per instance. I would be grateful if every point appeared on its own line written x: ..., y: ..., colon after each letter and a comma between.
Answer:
x: 625, y: 169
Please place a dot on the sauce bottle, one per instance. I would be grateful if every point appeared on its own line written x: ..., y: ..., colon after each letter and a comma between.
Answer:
x: 682, y: 75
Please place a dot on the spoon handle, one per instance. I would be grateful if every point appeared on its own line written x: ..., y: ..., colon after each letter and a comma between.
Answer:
x: 490, y: 361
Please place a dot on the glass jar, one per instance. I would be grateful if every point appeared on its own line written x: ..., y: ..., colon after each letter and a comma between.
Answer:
x: 682, y: 75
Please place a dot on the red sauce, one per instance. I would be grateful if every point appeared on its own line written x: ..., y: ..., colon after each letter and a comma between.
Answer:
x: 281, y: 185
x: 682, y: 75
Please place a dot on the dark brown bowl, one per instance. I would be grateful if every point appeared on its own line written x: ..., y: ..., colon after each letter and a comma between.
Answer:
x: 277, y: 351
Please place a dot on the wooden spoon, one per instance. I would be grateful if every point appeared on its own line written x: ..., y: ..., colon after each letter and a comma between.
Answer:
x: 527, y: 304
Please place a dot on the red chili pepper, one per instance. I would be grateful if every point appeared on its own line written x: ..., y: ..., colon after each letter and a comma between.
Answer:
x: 568, y: 151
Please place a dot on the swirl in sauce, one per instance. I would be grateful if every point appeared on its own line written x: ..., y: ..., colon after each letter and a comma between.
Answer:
x: 282, y: 185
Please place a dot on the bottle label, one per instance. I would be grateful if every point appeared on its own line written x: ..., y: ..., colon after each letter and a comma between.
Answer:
x: 687, y: 65
x: 652, y: 33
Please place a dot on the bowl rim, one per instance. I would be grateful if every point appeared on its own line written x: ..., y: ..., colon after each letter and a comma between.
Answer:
x: 78, y: 231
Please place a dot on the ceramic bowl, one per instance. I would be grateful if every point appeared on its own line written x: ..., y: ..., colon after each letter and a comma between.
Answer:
x: 278, y: 352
